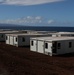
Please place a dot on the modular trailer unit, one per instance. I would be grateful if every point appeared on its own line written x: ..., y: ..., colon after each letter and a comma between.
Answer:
x: 52, y: 45
x: 59, y: 34
x: 40, y: 32
x: 2, y: 34
x: 21, y: 39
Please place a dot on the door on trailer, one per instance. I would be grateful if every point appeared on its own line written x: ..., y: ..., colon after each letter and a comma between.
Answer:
x: 54, y: 49
x: 33, y: 45
x: 48, y: 48
x: 11, y: 40
x: 40, y: 46
x: 7, y: 40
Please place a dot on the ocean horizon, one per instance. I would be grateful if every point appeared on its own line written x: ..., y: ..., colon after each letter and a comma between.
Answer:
x: 39, y: 28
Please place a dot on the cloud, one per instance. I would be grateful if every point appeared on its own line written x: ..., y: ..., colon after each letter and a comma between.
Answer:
x: 25, y: 20
x: 29, y: 20
x: 50, y: 21
x: 27, y: 2
x: 37, y: 21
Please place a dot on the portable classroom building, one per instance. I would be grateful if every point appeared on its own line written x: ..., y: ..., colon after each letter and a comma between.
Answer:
x: 46, y: 32
x: 2, y: 34
x: 6, y: 30
x: 52, y: 45
x: 21, y: 39
x: 59, y: 34
x: 9, y: 31
x: 28, y: 31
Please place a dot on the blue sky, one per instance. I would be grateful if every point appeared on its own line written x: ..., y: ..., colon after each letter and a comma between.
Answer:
x: 37, y: 12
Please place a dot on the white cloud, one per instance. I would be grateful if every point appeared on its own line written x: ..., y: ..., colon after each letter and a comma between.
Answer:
x: 29, y: 20
x: 36, y: 21
x: 38, y: 17
x: 27, y: 2
x: 50, y: 21
x: 25, y: 20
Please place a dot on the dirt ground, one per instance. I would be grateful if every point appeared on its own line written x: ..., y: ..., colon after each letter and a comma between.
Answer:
x: 22, y: 61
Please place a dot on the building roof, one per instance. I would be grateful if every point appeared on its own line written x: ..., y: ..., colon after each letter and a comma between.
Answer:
x: 64, y: 33
x: 13, y: 31
x: 24, y: 34
x: 6, y: 32
x: 53, y: 38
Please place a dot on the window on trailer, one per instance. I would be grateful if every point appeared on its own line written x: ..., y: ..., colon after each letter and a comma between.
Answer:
x: 16, y: 39
x: 46, y: 45
x: 31, y: 43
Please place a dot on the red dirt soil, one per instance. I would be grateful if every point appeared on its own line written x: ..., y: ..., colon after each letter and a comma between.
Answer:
x: 22, y: 61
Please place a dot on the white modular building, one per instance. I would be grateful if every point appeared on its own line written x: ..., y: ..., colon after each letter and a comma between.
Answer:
x: 27, y: 31
x: 52, y: 45
x: 6, y: 30
x: 59, y: 34
x: 2, y: 34
x: 21, y: 39
x: 41, y: 32
x: 9, y: 31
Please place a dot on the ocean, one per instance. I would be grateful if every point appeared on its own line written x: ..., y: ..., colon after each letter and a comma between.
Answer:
x: 39, y: 28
